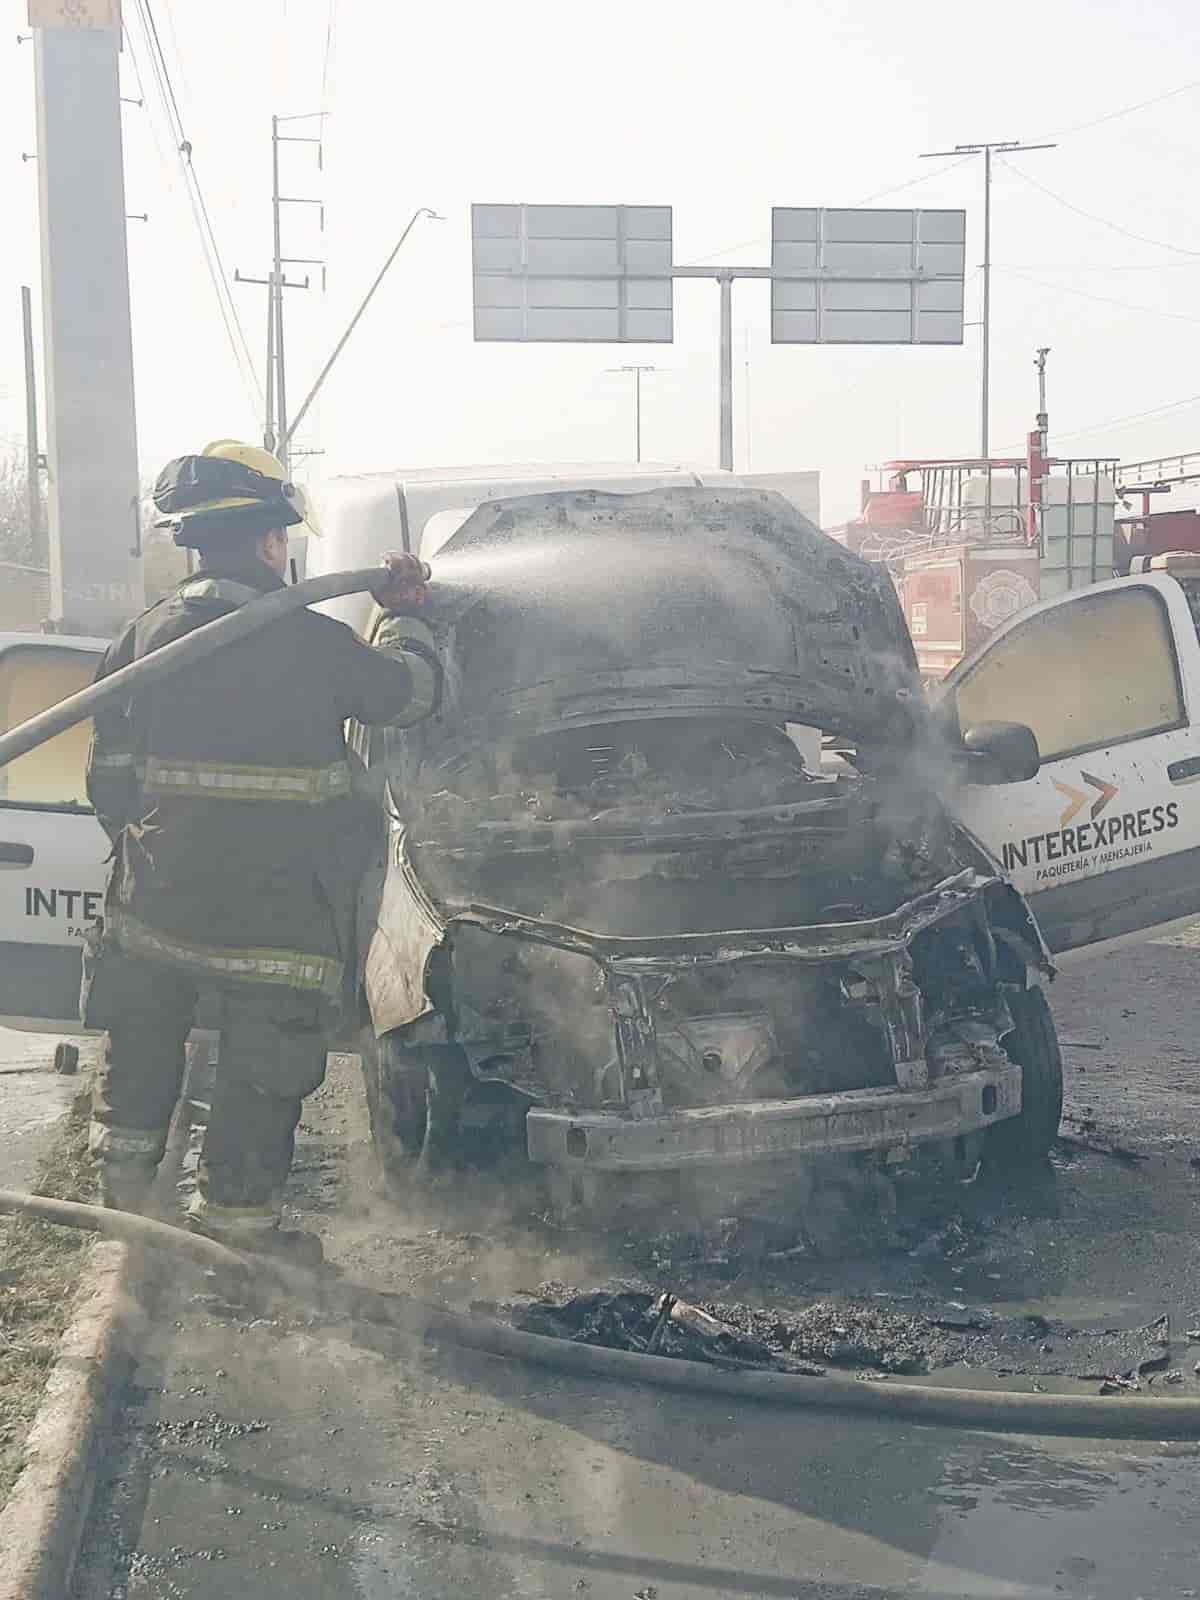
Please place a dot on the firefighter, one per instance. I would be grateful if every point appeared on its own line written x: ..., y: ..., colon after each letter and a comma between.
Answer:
x: 238, y: 838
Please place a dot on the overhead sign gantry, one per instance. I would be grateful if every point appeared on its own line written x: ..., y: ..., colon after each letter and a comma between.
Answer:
x: 605, y: 274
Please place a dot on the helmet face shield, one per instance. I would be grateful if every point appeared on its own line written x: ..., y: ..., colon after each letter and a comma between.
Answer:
x: 302, y: 506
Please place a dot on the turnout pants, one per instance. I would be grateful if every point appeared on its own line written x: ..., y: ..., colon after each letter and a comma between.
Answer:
x: 273, y: 1043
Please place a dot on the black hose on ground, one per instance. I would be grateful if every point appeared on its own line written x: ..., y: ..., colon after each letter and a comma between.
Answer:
x: 179, y: 653
x: 1128, y: 1417
x: 122, y: 1225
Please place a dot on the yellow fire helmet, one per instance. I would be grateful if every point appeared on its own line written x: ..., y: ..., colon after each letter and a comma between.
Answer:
x: 228, y: 487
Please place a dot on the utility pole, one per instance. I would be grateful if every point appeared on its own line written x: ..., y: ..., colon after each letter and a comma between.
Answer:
x: 1003, y: 147
x: 276, y: 430
x: 637, y: 403
x: 725, y: 379
x: 274, y: 284
x: 33, y: 455
x: 91, y: 441
x: 269, y: 438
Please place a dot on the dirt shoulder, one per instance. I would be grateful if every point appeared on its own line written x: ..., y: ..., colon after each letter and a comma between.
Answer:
x: 40, y: 1267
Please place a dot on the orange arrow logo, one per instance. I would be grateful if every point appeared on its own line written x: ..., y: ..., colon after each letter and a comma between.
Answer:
x: 1077, y: 800
x: 1108, y: 792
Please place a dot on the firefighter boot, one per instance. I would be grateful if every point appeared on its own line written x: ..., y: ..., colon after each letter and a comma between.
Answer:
x: 257, y: 1234
x: 126, y: 1185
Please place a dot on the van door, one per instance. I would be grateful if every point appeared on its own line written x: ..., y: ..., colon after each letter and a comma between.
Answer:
x: 52, y: 849
x: 1105, y: 840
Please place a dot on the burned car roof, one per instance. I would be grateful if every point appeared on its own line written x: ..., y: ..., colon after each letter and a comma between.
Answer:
x: 566, y: 609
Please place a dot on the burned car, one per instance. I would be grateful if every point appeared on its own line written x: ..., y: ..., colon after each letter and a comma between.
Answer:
x: 672, y: 872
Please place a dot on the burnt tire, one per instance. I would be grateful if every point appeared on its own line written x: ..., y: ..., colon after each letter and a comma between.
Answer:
x: 397, y: 1094
x: 66, y: 1059
x: 1026, y: 1139
x: 415, y: 1098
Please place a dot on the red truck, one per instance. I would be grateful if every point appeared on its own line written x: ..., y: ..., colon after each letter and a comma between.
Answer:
x: 970, y: 542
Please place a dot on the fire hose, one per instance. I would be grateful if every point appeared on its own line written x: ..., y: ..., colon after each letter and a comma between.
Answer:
x: 170, y: 658
x: 1126, y: 1417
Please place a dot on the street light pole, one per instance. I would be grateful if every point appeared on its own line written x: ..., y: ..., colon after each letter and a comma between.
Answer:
x: 1006, y: 147
x: 286, y: 438
x: 637, y: 403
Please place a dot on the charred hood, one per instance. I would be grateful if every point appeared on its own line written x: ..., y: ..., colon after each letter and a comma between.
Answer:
x: 568, y: 609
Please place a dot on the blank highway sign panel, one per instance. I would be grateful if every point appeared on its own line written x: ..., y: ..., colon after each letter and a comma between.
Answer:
x: 572, y: 274
x: 876, y: 276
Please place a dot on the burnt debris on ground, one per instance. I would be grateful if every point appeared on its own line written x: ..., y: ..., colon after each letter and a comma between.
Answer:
x: 842, y: 1334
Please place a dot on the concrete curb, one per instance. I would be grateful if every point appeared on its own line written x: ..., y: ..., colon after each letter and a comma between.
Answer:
x: 42, y: 1524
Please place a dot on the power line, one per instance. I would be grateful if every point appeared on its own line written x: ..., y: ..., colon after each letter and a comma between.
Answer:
x: 156, y: 50
x: 330, y: 25
x: 1103, y: 299
x: 200, y: 212
x: 137, y: 71
x: 1159, y: 244
x: 1114, y: 422
x: 180, y: 60
x: 909, y: 183
x: 728, y: 249
x: 1124, y: 111
x: 1096, y: 266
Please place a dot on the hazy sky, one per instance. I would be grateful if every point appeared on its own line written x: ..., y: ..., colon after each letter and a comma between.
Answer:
x: 720, y: 111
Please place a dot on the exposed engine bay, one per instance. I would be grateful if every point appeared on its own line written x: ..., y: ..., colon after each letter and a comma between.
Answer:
x: 683, y: 900
x: 660, y: 829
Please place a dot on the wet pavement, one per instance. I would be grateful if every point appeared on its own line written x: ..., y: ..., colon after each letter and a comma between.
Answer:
x: 32, y: 1098
x: 263, y: 1455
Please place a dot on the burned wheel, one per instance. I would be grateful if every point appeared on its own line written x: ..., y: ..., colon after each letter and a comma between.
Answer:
x: 396, y: 1107
x: 414, y: 1103
x: 1026, y: 1139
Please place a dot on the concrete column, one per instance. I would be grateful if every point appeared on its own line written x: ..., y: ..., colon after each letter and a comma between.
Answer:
x: 91, y: 441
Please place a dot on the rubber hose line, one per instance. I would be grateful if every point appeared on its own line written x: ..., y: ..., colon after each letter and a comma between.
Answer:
x: 170, y: 658
x: 1127, y: 1417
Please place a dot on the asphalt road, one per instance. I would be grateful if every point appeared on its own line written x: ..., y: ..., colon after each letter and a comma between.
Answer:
x: 268, y: 1456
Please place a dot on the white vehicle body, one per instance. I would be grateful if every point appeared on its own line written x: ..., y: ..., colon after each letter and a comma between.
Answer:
x: 1104, y: 841
x: 360, y: 519
x: 52, y: 849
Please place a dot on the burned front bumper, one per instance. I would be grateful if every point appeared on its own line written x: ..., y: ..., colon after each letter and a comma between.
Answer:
x: 889, y: 1119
